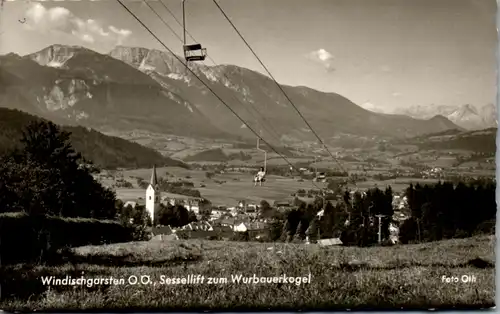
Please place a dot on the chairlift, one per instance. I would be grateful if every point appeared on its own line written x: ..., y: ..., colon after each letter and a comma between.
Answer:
x: 256, y: 180
x: 193, y: 52
x: 265, y: 153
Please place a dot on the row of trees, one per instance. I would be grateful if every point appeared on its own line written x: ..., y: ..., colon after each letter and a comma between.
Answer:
x: 353, y: 219
x: 175, y: 187
x: 445, y: 210
x: 438, y: 211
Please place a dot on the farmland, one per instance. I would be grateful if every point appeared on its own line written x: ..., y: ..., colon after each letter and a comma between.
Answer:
x: 236, y: 186
x: 341, y: 277
x: 230, y: 187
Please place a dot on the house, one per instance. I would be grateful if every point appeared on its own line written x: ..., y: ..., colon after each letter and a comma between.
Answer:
x: 240, y: 228
x: 282, y: 205
x: 242, y: 204
x: 193, y: 204
x: 200, y: 225
x: 330, y: 242
x: 219, y: 212
x: 227, y: 222
x: 321, y: 177
x: 254, y: 229
x: 393, y: 233
x: 223, y: 231
x: 163, y: 233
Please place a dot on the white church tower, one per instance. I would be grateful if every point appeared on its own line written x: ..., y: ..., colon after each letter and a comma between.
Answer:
x: 153, y: 195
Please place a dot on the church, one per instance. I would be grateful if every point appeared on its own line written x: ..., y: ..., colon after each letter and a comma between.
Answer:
x: 153, y: 195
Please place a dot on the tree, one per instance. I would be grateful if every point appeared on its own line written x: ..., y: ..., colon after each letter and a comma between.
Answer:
x: 300, y: 233
x: 205, y: 209
x: 264, y: 208
x: 275, y: 230
x: 192, y: 216
x: 312, y: 230
x: 328, y: 221
x: 298, y: 203
x: 49, y: 177
x: 287, y: 231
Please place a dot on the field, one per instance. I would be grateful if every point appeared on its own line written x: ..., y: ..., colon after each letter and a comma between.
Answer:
x: 341, y: 277
x: 229, y: 188
x: 237, y: 186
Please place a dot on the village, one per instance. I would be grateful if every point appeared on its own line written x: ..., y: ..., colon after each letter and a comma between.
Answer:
x: 224, y: 222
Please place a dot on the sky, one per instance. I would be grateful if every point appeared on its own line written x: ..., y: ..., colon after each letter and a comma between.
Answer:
x: 385, y: 53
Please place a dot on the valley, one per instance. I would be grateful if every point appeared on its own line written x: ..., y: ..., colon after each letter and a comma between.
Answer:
x: 397, y: 163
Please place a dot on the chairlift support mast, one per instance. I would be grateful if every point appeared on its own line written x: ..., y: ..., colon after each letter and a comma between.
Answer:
x: 380, y: 227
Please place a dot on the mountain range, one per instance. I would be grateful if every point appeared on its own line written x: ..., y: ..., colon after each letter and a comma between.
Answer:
x: 467, y: 116
x: 133, y: 88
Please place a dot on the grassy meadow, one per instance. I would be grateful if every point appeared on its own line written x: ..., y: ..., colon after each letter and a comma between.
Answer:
x: 341, y: 277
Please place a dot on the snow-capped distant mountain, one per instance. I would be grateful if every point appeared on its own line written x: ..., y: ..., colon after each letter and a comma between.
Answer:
x: 466, y: 116
x: 373, y: 108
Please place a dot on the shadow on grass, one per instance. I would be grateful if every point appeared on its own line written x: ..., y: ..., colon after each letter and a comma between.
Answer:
x: 131, y: 261
x: 128, y: 260
x: 24, y: 281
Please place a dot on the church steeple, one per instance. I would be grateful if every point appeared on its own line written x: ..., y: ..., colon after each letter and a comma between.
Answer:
x: 153, y: 195
x: 154, y: 180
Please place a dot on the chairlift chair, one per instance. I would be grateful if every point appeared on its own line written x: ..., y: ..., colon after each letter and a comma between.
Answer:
x: 265, y: 154
x: 194, y: 52
x: 265, y: 161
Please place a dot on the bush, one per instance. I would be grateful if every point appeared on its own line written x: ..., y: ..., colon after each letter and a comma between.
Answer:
x: 486, y: 227
x: 240, y: 236
x: 408, y: 231
x: 26, y: 238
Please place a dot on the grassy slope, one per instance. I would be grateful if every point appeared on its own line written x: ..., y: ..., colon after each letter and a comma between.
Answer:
x: 394, y: 277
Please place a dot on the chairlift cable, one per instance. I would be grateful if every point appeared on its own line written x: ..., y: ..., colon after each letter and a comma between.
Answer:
x: 205, y: 84
x: 267, y: 127
x: 279, y: 86
x: 272, y: 132
x: 164, y: 22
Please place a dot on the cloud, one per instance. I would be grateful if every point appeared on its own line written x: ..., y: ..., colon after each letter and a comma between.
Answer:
x: 322, y: 57
x: 396, y: 94
x: 61, y: 20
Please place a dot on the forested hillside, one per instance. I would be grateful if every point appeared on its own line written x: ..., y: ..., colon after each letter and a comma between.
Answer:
x: 104, y: 151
